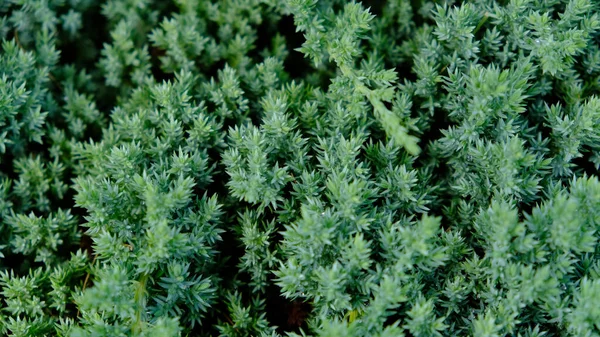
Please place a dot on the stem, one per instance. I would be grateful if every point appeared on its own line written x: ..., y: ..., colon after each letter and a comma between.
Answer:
x: 85, y: 282
x: 140, y: 300
x: 481, y: 23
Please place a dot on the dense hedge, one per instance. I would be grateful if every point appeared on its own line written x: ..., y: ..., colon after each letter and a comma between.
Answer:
x: 300, y: 168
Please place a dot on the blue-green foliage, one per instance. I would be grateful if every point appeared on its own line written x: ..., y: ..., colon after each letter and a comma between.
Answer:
x: 300, y: 168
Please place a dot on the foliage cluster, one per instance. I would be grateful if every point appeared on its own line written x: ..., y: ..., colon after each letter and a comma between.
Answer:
x: 299, y: 168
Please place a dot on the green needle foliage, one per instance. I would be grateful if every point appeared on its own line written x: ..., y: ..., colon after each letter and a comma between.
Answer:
x: 322, y: 168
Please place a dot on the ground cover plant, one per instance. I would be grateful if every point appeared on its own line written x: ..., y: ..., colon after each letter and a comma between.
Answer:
x: 299, y: 168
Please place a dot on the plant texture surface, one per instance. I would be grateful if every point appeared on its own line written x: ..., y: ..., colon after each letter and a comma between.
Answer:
x: 324, y: 168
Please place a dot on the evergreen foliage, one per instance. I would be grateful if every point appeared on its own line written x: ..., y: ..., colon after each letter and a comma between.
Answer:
x: 299, y: 168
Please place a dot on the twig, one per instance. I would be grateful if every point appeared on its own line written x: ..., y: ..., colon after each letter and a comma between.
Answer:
x: 481, y: 22
x: 17, y: 39
x: 87, y: 277
x: 85, y: 282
